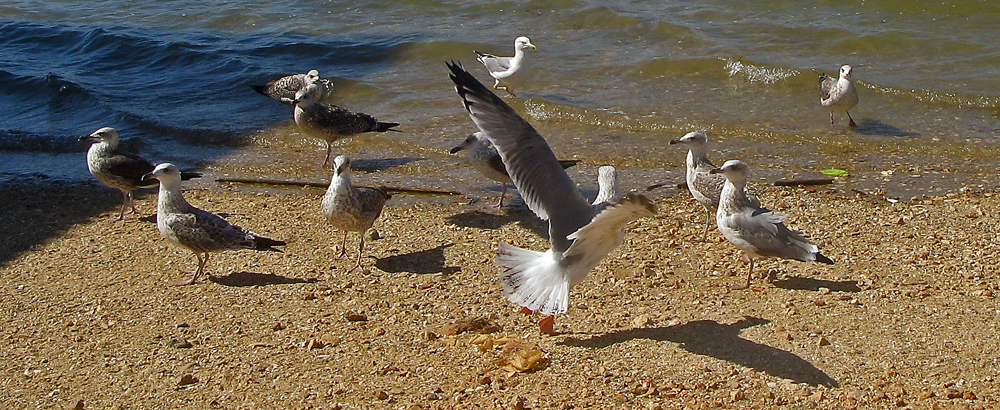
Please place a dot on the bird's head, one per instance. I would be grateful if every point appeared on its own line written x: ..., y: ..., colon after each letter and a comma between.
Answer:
x: 106, y: 134
x: 733, y: 169
x: 341, y: 165
x: 466, y: 143
x: 845, y: 71
x: 164, y: 172
x: 522, y: 43
x: 692, y: 139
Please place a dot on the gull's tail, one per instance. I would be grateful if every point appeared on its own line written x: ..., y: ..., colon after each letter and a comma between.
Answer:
x: 534, y: 280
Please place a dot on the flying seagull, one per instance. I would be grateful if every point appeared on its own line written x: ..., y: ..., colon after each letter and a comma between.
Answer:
x: 581, y: 234
x: 284, y: 88
x: 839, y: 94
x: 330, y: 122
x: 704, y: 186
x: 485, y: 159
x: 350, y: 208
x: 503, y: 67
x: 196, y: 230
x: 758, y: 232
x: 119, y: 169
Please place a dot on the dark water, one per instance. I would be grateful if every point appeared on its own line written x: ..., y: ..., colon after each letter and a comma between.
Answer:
x: 610, y: 83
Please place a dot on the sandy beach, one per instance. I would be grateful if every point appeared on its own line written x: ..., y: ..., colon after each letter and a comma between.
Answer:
x: 906, y: 317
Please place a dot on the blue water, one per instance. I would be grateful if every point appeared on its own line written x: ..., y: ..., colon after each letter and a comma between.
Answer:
x: 610, y: 82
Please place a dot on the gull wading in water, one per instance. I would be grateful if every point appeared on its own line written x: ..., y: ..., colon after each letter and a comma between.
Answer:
x: 330, y: 122
x: 758, y: 232
x: 503, y: 67
x: 483, y: 156
x: 284, y: 88
x: 196, y: 230
x: 704, y: 186
x: 839, y: 94
x: 350, y: 208
x: 581, y: 234
x: 119, y: 169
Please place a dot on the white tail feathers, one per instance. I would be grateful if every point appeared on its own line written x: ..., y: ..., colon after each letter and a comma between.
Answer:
x: 534, y: 280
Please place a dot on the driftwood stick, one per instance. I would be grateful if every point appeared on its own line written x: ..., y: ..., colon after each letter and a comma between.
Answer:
x: 323, y: 184
x: 803, y: 182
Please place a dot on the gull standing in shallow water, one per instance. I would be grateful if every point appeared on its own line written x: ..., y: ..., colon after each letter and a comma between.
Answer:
x: 119, y: 169
x: 199, y: 231
x: 330, y: 122
x: 503, y: 67
x: 284, y: 88
x: 704, y: 186
x: 350, y: 208
x: 839, y: 94
x: 483, y: 156
x: 758, y: 232
x: 581, y: 234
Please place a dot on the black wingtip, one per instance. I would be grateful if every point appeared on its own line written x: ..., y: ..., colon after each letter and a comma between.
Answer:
x: 265, y: 244
x: 386, y: 126
x: 566, y: 163
x: 260, y: 88
x: 823, y: 259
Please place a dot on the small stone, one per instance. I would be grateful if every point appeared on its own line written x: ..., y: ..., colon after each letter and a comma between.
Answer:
x: 314, y: 344
x: 642, y: 321
x: 925, y: 395
x: 396, y: 391
x: 329, y: 339
x: 823, y: 291
x: 79, y: 405
x: 179, y: 343
x: 309, y: 296
x: 382, y: 395
x: 374, y: 235
x: 433, y: 396
x: 953, y: 394
x: 822, y: 341
x: 187, y: 379
x: 278, y: 326
x: 819, y: 302
x: 816, y: 397
x: 517, y: 403
x: 379, y: 332
x: 355, y: 317
x: 429, y: 335
x: 968, y: 395
x: 485, y: 380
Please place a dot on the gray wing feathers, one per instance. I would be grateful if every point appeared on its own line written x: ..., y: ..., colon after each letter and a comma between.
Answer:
x: 206, y: 232
x: 536, y: 172
x: 775, y: 239
x: 494, y: 63
x: 826, y: 84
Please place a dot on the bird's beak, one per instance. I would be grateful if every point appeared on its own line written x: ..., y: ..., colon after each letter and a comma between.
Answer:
x: 672, y: 142
x: 148, y: 177
x: 458, y: 148
x: 715, y: 171
x: 87, y: 138
x: 531, y: 45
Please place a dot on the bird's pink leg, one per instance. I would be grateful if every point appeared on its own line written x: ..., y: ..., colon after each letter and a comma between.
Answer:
x: 343, y: 249
x: 749, y: 274
x: 502, y: 194
x: 197, y: 273
x: 853, y: 125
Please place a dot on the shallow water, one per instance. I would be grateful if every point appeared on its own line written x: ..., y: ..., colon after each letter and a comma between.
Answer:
x: 610, y: 83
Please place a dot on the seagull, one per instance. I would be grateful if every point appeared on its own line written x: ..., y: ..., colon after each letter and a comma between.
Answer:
x: 350, y: 208
x: 485, y: 159
x: 704, y: 186
x: 199, y: 231
x: 839, y: 94
x: 284, y: 88
x: 503, y: 67
x: 330, y: 122
x: 119, y: 169
x: 581, y: 234
x: 756, y: 231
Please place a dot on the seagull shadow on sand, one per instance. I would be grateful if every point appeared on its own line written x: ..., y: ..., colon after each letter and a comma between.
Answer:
x: 242, y: 279
x: 800, y: 283
x: 721, y: 341
x: 486, y: 220
x: 420, y: 262
x: 876, y: 127
x: 376, y: 165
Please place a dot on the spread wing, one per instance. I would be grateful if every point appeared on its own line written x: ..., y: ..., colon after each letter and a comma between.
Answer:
x: 537, y: 174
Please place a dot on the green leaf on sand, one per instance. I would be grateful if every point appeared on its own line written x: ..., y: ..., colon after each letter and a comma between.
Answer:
x: 833, y: 172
